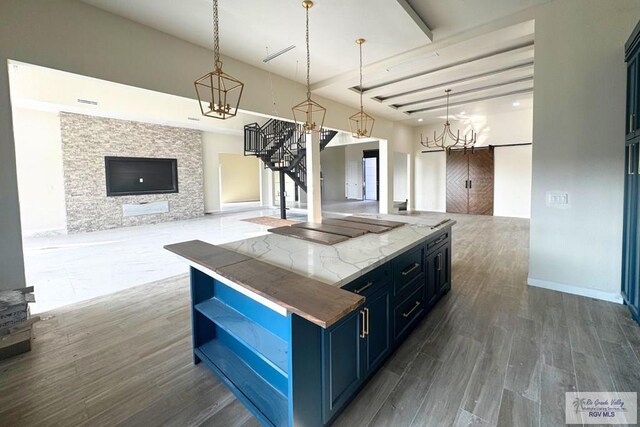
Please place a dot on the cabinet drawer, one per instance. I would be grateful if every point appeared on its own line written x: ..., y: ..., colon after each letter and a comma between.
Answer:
x: 369, y: 283
x: 435, y: 243
x: 407, y: 267
x: 408, y: 311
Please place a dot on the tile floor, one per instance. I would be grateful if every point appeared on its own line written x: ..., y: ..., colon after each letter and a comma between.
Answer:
x: 66, y: 269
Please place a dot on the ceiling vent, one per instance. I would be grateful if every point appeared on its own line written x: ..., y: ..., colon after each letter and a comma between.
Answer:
x: 194, y: 119
x: 276, y: 54
x: 86, y: 101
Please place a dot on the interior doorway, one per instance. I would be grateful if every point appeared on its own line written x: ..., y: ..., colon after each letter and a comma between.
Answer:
x: 371, y: 174
x: 239, y: 181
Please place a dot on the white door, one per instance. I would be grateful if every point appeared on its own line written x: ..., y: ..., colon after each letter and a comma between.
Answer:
x: 353, y: 180
x: 370, y: 179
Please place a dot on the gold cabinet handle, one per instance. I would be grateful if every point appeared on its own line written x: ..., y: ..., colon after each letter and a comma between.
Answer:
x: 631, y: 117
x: 440, y: 261
x: 364, y: 288
x: 362, y: 328
x: 366, y: 330
x: 439, y: 240
x: 415, y: 307
x: 629, y: 162
x: 415, y: 265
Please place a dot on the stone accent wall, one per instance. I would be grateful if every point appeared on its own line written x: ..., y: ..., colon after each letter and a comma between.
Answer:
x: 86, y: 140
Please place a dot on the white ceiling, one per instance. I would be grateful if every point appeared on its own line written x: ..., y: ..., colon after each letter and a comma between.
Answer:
x: 488, y: 66
x: 447, y: 17
x: 248, y: 28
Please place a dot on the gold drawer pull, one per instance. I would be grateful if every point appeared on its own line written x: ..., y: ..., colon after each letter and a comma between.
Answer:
x: 629, y: 166
x: 412, y: 310
x: 362, y: 329
x: 441, y: 239
x: 415, y: 265
x: 366, y: 329
x: 364, y: 288
x: 440, y: 261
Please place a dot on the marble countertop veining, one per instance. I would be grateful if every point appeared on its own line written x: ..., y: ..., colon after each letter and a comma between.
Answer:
x: 343, y: 262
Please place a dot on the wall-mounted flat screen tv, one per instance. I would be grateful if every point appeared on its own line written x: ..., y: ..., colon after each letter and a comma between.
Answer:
x: 139, y: 175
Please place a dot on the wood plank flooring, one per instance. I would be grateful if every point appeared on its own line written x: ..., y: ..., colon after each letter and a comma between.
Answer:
x: 493, y: 352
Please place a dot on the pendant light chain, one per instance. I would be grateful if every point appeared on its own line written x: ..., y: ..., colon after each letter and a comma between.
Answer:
x: 308, y: 57
x: 216, y: 38
x: 361, y: 88
x: 448, y: 90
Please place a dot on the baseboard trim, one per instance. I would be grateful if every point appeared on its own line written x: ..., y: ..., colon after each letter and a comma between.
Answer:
x: 576, y: 290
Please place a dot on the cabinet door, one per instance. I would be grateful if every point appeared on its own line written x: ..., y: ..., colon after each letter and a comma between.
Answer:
x: 632, y: 97
x: 343, y: 371
x: 630, y: 223
x: 378, y: 329
x: 444, y: 269
x: 631, y: 232
x: 432, y: 278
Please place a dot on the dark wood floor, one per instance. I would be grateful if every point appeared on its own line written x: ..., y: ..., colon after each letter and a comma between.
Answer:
x: 493, y: 352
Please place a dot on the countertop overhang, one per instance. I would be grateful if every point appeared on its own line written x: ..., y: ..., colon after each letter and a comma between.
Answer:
x: 304, y: 277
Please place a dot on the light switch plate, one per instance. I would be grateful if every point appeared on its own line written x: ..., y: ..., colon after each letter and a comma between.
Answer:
x: 558, y: 199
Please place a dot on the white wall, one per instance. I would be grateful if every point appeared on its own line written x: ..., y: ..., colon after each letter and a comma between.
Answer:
x: 431, y: 182
x: 578, y: 147
x: 512, y: 182
x: 40, y: 174
x: 400, y: 178
x: 332, y: 161
x: 512, y: 165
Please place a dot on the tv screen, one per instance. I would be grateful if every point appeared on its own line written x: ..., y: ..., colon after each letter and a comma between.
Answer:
x: 139, y: 175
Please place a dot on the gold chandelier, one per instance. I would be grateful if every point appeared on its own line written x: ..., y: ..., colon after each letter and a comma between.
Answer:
x: 361, y: 123
x: 308, y: 115
x: 447, y: 139
x: 218, y: 93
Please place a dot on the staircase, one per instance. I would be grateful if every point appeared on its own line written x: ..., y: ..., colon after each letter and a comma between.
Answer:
x: 281, y: 147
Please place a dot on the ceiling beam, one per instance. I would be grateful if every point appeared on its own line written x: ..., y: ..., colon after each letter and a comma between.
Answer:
x: 467, y: 79
x: 416, y: 18
x: 528, y: 45
x: 521, y: 19
x: 469, y: 101
x: 464, y: 92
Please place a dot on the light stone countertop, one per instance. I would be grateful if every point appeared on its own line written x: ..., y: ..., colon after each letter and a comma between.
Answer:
x: 343, y: 262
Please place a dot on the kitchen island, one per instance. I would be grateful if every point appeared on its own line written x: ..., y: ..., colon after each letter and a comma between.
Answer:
x: 295, y: 328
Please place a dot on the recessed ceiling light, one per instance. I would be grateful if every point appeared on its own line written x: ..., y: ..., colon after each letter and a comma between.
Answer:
x: 516, y: 104
x: 462, y: 113
x: 420, y: 120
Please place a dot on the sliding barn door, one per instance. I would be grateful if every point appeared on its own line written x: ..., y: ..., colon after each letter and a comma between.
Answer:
x: 481, y: 182
x: 457, y: 179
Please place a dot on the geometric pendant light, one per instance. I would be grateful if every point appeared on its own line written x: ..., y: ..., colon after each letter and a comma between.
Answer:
x: 361, y: 123
x: 218, y: 93
x: 308, y: 115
